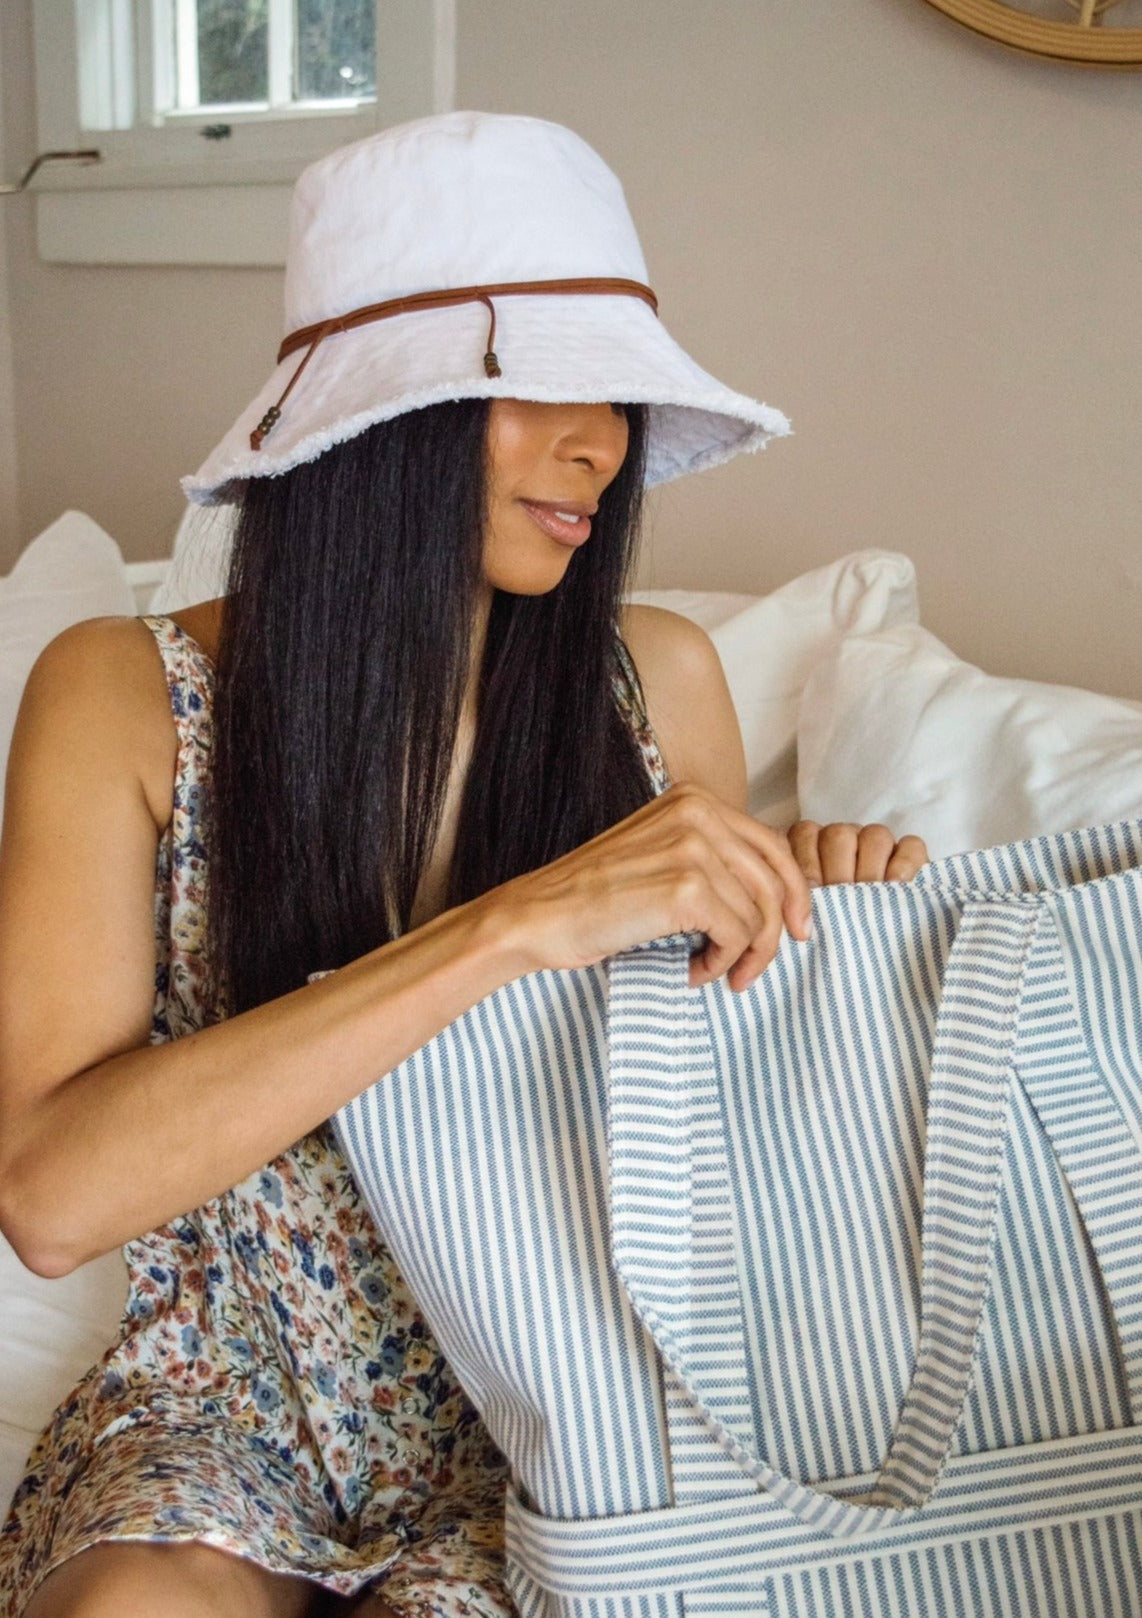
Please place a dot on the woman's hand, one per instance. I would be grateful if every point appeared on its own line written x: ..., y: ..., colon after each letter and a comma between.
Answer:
x: 846, y: 853
x: 685, y: 863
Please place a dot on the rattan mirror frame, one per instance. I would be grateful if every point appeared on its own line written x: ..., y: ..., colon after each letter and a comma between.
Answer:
x: 1079, y: 42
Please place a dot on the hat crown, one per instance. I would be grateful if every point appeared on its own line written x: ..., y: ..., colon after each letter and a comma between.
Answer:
x: 460, y: 200
x: 470, y: 200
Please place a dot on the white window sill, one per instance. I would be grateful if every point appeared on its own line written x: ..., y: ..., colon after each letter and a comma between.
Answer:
x: 226, y: 203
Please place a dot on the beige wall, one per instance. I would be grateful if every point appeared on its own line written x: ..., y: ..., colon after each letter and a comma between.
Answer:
x: 927, y: 250
x: 9, y: 482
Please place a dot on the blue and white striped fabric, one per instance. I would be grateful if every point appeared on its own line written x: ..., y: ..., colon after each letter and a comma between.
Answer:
x: 822, y: 1299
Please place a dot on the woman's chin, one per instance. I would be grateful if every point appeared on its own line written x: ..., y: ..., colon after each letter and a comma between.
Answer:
x: 530, y: 581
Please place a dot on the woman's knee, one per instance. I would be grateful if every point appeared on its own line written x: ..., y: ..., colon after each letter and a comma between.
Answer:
x: 126, y: 1580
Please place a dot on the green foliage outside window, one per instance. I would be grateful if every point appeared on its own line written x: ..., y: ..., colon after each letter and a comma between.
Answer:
x: 335, y: 49
x: 233, y: 46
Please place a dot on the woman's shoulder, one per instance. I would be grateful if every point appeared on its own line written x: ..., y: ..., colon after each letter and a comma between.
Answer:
x: 677, y: 662
x: 97, y: 697
x: 93, y: 661
x: 115, y: 666
x: 667, y: 644
x: 687, y: 699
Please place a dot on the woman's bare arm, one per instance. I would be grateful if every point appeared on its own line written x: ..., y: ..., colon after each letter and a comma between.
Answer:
x: 103, y: 1136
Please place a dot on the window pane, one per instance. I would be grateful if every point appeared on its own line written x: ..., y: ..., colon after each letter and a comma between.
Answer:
x: 232, y: 51
x: 337, y: 45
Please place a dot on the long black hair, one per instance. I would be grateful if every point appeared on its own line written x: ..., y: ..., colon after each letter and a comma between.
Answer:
x: 342, y: 668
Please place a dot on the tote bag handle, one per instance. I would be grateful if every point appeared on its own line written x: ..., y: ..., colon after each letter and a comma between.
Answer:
x: 653, y: 1046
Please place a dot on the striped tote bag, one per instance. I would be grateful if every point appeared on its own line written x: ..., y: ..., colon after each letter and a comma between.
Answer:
x: 822, y: 1299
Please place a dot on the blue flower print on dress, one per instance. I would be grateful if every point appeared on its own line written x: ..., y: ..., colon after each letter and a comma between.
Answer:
x: 325, y: 1379
x: 266, y: 1396
x: 373, y: 1288
x: 270, y: 1185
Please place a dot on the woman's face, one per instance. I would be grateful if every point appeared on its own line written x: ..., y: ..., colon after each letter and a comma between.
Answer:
x: 548, y: 465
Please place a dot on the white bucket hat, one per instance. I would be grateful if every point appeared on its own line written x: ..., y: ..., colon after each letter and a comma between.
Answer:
x: 512, y: 240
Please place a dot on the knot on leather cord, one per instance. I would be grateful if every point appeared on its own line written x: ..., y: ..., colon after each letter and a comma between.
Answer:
x: 491, y: 363
x: 311, y: 337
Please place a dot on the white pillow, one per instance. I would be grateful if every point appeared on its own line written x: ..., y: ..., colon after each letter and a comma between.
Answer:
x: 895, y: 728
x: 199, y: 561
x: 72, y: 570
x: 769, y: 645
x: 52, y: 1332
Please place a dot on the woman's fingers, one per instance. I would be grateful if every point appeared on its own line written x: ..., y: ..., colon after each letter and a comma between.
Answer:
x: 733, y: 880
x: 780, y: 860
x: 845, y: 852
x: 759, y: 857
x: 875, y: 848
x: 909, y: 855
x: 804, y: 840
x: 742, y: 951
x: 752, y: 962
x: 839, y: 845
x: 685, y: 863
x: 690, y: 863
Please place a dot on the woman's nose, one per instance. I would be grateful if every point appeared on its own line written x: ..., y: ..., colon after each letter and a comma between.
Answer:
x: 596, y: 436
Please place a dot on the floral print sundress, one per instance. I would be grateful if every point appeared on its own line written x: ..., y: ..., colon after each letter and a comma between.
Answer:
x: 274, y: 1392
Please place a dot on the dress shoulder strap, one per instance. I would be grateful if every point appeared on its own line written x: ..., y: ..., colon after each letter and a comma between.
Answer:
x: 632, y: 705
x: 628, y: 683
x: 190, y: 681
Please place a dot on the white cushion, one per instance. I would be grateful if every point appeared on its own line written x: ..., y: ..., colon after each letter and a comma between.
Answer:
x: 769, y: 646
x: 199, y: 561
x: 895, y: 728
x: 53, y: 1331
x: 72, y: 570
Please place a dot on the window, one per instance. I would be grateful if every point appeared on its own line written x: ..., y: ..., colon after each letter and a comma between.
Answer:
x: 205, y: 111
x: 265, y: 56
x: 250, y: 58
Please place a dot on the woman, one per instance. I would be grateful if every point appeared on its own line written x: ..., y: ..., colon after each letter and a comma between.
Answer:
x: 434, y: 764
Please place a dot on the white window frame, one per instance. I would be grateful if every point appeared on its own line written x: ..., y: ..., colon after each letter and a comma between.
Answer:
x: 179, y: 78
x: 162, y: 194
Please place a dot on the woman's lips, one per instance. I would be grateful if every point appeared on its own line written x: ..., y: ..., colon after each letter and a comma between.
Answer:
x: 569, y: 524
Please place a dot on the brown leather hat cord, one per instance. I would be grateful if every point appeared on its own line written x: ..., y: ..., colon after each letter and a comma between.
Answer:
x: 310, y: 337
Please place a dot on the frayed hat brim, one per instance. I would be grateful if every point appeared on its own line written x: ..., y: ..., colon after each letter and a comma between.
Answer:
x: 557, y: 350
